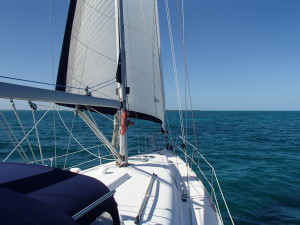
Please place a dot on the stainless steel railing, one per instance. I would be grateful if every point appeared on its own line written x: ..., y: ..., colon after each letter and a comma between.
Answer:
x: 193, y: 159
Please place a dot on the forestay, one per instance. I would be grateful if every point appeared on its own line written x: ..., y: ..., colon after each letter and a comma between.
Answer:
x: 91, y: 50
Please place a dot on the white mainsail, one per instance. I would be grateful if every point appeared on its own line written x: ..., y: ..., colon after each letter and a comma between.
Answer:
x: 90, y: 55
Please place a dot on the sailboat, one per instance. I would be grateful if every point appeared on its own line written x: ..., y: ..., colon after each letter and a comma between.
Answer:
x: 110, y: 64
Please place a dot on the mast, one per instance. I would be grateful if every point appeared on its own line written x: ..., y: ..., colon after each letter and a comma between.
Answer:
x: 123, y: 86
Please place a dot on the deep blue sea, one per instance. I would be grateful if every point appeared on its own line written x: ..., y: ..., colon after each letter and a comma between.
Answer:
x: 256, y: 154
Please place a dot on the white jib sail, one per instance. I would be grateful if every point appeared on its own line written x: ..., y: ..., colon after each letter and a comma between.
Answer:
x: 93, y: 54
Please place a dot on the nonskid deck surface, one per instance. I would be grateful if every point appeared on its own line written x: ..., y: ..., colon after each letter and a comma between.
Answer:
x: 165, y: 204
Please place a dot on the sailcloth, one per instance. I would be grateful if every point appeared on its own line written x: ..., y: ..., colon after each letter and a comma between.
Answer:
x: 90, y: 55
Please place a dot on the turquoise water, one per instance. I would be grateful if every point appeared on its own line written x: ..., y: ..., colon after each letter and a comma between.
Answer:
x: 256, y: 155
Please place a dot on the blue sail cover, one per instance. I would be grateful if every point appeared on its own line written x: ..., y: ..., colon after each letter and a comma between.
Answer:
x: 32, y: 194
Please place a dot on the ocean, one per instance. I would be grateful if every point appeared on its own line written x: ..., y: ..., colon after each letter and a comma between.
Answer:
x: 256, y: 155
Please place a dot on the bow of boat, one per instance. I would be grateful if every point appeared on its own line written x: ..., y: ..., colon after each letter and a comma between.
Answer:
x: 157, y: 188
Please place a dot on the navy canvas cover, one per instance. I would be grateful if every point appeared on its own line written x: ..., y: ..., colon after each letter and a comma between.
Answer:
x: 44, y: 189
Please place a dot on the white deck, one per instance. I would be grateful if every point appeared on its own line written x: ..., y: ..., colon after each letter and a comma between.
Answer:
x: 165, y: 205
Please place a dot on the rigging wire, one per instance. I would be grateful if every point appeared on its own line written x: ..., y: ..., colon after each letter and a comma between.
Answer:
x: 92, y: 118
x: 39, y: 82
x: 22, y: 128
x: 45, y: 83
x: 25, y: 136
x: 58, y: 85
x: 15, y: 140
x: 113, y: 79
x: 101, y: 114
x: 185, y: 98
x: 75, y: 137
x: 53, y: 78
x: 174, y: 66
x: 187, y: 80
x: 54, y: 134
x: 11, y: 140
x: 72, y: 153
x: 33, y: 108
x: 108, y: 159
x: 69, y: 142
x: 51, y: 41
x: 113, y: 82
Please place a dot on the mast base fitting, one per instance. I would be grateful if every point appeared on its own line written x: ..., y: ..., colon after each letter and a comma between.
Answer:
x: 121, y: 163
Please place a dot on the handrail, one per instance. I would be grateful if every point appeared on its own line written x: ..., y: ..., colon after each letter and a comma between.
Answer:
x: 145, y: 200
x: 214, y: 175
x: 93, y: 205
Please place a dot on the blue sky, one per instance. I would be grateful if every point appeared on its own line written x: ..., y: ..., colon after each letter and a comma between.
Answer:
x: 242, y: 54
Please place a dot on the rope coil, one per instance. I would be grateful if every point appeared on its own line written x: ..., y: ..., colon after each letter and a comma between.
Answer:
x: 123, y: 127
x: 125, y: 123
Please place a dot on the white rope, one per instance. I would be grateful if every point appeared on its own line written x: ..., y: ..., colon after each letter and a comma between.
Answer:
x: 24, y: 137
